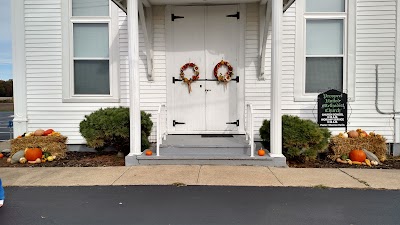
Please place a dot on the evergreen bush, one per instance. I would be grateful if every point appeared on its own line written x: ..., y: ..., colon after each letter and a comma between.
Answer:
x: 301, y: 139
x: 110, y: 127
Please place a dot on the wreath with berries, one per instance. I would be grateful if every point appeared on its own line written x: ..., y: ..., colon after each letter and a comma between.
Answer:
x: 195, y: 77
x: 225, y: 78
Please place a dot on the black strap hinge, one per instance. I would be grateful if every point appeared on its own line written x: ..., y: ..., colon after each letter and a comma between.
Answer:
x: 173, y: 17
x: 236, y: 122
x: 237, y: 15
x: 175, y: 123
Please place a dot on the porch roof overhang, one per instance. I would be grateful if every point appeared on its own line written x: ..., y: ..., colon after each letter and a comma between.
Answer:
x: 265, y: 19
x: 123, y: 3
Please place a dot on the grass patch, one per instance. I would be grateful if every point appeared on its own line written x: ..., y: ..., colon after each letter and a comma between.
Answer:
x: 321, y: 186
x: 179, y: 184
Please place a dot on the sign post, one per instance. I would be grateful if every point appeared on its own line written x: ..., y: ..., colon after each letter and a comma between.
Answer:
x: 332, y: 109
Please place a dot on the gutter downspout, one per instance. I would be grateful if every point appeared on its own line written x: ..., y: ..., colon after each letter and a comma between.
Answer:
x: 396, y: 111
x: 396, y: 146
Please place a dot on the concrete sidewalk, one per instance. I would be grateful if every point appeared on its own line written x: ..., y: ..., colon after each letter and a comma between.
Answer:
x: 202, y: 175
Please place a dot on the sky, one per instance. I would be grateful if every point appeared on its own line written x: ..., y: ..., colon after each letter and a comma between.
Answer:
x: 5, y: 40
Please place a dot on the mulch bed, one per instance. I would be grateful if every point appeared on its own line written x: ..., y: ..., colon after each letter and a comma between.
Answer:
x: 75, y: 159
x: 323, y: 162
x: 102, y: 159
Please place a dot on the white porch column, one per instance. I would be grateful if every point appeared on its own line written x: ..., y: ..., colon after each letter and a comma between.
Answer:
x: 134, y: 80
x: 19, y: 72
x: 276, y: 64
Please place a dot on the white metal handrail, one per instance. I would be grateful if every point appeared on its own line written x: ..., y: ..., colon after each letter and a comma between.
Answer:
x: 250, y: 128
x: 160, y: 135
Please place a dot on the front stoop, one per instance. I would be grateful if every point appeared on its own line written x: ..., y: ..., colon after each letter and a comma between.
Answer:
x: 197, y: 150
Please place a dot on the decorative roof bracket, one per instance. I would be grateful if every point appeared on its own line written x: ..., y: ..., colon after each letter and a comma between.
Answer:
x: 265, y: 20
x: 146, y: 28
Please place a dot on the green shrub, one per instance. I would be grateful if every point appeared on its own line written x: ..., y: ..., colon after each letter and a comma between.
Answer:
x: 301, y: 139
x: 110, y: 127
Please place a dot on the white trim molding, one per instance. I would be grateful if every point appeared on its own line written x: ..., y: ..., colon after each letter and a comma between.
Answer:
x: 67, y: 48
x: 19, y: 69
x: 349, y: 49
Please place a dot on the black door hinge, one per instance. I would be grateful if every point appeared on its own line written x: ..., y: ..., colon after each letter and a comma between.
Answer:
x: 237, y: 15
x: 173, y: 17
x: 236, y: 122
x: 175, y: 123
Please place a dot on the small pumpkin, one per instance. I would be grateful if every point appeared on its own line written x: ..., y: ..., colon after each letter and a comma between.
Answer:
x: 22, y: 160
x: 48, y: 131
x: 261, y: 152
x: 31, y: 154
x: 39, y: 132
x: 353, y: 134
x: 363, y: 134
x: 357, y: 155
x: 149, y: 152
x: 50, y: 158
x: 1, y: 155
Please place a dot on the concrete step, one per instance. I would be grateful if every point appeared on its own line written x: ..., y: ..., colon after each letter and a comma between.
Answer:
x: 205, y: 151
x: 198, y: 150
x: 209, y: 160
x: 197, y: 141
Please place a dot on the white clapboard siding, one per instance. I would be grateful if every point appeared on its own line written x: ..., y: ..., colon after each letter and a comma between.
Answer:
x: 43, y: 41
x: 375, y: 44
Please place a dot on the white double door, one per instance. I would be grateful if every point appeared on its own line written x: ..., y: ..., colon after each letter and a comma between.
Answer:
x: 204, y: 36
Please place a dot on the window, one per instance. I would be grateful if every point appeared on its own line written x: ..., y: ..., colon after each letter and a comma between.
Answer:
x: 321, y: 47
x: 92, y: 49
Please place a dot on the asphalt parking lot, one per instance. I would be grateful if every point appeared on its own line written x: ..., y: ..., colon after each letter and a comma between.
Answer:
x: 5, y: 129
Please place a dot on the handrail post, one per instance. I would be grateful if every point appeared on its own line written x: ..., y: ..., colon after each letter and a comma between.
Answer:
x: 250, y: 128
x: 252, y: 136
x: 158, y: 130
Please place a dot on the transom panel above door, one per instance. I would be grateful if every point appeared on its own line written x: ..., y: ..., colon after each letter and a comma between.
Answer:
x: 203, y: 35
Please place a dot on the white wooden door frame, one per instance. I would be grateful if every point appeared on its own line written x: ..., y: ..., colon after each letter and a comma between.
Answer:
x: 240, y: 72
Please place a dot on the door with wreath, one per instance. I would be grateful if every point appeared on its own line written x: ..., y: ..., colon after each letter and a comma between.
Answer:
x: 204, y: 62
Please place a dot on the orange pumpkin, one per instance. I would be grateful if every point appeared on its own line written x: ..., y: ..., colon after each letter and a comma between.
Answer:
x: 149, y: 152
x: 47, y: 132
x: 357, y: 155
x: 261, y: 152
x: 31, y: 154
x: 1, y: 155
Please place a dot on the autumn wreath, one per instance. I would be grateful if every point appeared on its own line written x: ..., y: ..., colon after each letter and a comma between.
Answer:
x: 223, y: 77
x: 193, y: 78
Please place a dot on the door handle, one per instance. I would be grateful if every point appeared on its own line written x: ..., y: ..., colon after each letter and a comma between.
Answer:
x: 207, y: 90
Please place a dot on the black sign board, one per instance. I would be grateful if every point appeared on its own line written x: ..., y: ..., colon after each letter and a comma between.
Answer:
x: 332, y: 109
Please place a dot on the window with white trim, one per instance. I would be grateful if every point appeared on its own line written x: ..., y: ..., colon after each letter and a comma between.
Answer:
x: 321, y: 47
x: 92, y: 48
